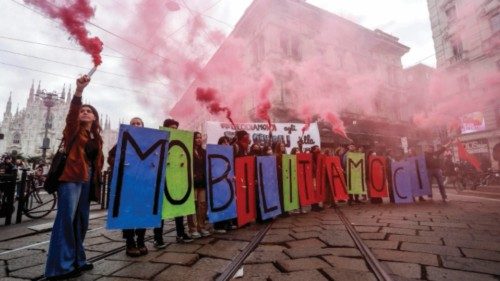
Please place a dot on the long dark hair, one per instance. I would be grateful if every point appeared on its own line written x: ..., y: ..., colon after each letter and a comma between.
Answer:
x: 95, y: 129
x: 198, y: 149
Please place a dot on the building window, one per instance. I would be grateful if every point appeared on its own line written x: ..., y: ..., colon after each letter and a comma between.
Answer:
x: 284, y: 44
x: 457, y: 48
x: 495, y: 23
x: 16, y: 139
x: 498, y: 65
x: 391, y: 75
x: 451, y: 13
x: 296, y: 54
x: 259, y: 49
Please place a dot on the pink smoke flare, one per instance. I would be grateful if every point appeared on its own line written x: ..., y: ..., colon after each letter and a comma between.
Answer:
x: 210, y: 98
x: 73, y: 18
x: 266, y: 84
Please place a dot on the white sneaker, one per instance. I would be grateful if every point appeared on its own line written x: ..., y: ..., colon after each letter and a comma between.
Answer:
x: 195, y: 234
x: 220, y: 231
x: 205, y: 233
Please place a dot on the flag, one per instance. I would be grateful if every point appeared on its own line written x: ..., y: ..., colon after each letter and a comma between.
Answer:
x: 464, y: 155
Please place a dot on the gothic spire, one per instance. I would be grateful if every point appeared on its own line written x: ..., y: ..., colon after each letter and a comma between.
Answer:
x: 38, y: 91
x: 32, y: 92
x: 69, y: 95
x: 63, y: 93
x: 8, y: 108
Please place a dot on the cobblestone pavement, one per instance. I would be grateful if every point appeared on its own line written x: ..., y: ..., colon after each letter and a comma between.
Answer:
x: 458, y: 240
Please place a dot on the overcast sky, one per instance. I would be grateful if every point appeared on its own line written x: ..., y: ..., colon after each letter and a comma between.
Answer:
x: 406, y: 19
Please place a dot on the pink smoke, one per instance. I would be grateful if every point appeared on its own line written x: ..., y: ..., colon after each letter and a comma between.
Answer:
x: 266, y: 84
x: 73, y: 18
x: 210, y: 99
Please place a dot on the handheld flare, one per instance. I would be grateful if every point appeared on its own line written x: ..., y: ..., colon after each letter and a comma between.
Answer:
x: 92, y: 71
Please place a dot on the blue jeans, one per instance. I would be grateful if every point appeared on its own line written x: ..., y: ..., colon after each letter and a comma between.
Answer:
x: 66, y: 252
x: 438, y: 175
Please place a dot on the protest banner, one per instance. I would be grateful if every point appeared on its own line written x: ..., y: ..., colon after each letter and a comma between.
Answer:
x: 305, y: 179
x: 377, y: 177
x: 138, y: 178
x: 290, y: 186
x: 401, y: 182
x: 355, y: 166
x: 179, y: 194
x: 335, y: 178
x: 319, y: 190
x: 245, y: 189
x: 420, y: 184
x: 269, y: 201
x: 288, y: 133
x: 220, y: 183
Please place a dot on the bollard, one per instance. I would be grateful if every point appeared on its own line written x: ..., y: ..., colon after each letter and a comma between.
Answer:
x: 21, y: 196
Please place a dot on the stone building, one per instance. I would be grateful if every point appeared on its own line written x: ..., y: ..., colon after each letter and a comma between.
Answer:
x: 466, y: 37
x: 24, y: 130
x: 275, y: 33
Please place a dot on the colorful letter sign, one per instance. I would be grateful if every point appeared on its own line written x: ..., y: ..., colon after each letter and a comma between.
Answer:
x: 179, y: 194
x: 419, y: 179
x: 269, y: 200
x: 377, y: 178
x: 220, y: 188
x: 305, y: 179
x: 138, y: 178
x: 356, y: 173
x: 245, y: 189
x: 290, y: 188
x: 334, y: 178
x: 401, y: 182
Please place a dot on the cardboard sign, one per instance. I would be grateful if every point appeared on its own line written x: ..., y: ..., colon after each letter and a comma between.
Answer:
x: 179, y: 194
x: 319, y: 188
x: 290, y: 187
x: 269, y: 201
x: 334, y: 177
x: 377, y: 177
x: 355, y: 166
x: 245, y: 189
x: 305, y: 179
x: 138, y: 178
x: 401, y: 182
x: 221, y: 192
x: 419, y: 179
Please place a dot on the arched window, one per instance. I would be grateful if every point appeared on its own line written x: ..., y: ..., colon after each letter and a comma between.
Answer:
x: 17, y: 138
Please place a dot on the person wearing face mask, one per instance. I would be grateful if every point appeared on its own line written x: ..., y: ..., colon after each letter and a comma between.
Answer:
x: 134, y: 246
x: 83, y: 142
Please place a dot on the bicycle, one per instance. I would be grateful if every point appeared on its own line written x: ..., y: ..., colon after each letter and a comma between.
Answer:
x: 488, y: 178
x: 37, y: 202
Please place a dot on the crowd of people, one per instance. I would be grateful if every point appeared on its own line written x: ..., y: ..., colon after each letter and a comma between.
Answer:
x: 83, y: 144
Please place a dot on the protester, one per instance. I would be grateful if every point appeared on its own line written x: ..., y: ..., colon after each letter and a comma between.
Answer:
x: 7, y: 167
x: 434, y: 168
x: 316, y: 154
x: 279, y: 150
x: 81, y: 174
x: 182, y: 237
x: 350, y: 148
x: 255, y: 150
x: 196, y: 223
x: 135, y: 247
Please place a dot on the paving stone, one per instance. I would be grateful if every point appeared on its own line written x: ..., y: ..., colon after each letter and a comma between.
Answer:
x: 382, y: 244
x: 403, y: 231
x: 337, y: 239
x: 260, y: 271
x: 305, y: 235
x: 406, y: 222
x: 276, y: 231
x: 183, y: 248
x: 298, y: 276
x: 222, y: 249
x: 177, y: 258
x: 107, y: 267
x: 416, y: 239
x: 269, y: 248
x: 468, y: 264
x: 13, y: 279
x: 347, y: 263
x: 211, y: 264
x: 302, y: 264
x: 29, y: 272
x: 279, y: 238
x: 484, y: 245
x: 407, y: 270
x: 481, y: 254
x: 106, y: 247
x: 204, y: 240
x: 21, y: 253
x: 432, y: 249
x: 27, y: 261
x: 362, y: 228
x: 265, y: 257
x: 121, y: 256
x: 306, y: 252
x: 87, y: 277
x: 110, y: 278
x: 373, y: 236
x: 307, y: 243
x: 339, y: 274
x: 411, y: 257
x: 443, y: 274
x: 141, y: 270
x: 307, y: 228
x: 445, y: 224
x: 409, y: 226
x: 177, y: 272
x: 460, y: 235
x: 95, y: 241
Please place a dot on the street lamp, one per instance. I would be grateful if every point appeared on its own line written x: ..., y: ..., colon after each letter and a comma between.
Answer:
x: 49, y: 100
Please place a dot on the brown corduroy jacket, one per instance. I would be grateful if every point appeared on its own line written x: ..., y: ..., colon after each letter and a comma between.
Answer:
x: 76, y: 168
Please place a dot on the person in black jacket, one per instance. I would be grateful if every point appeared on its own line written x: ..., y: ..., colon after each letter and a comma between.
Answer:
x: 434, y: 167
